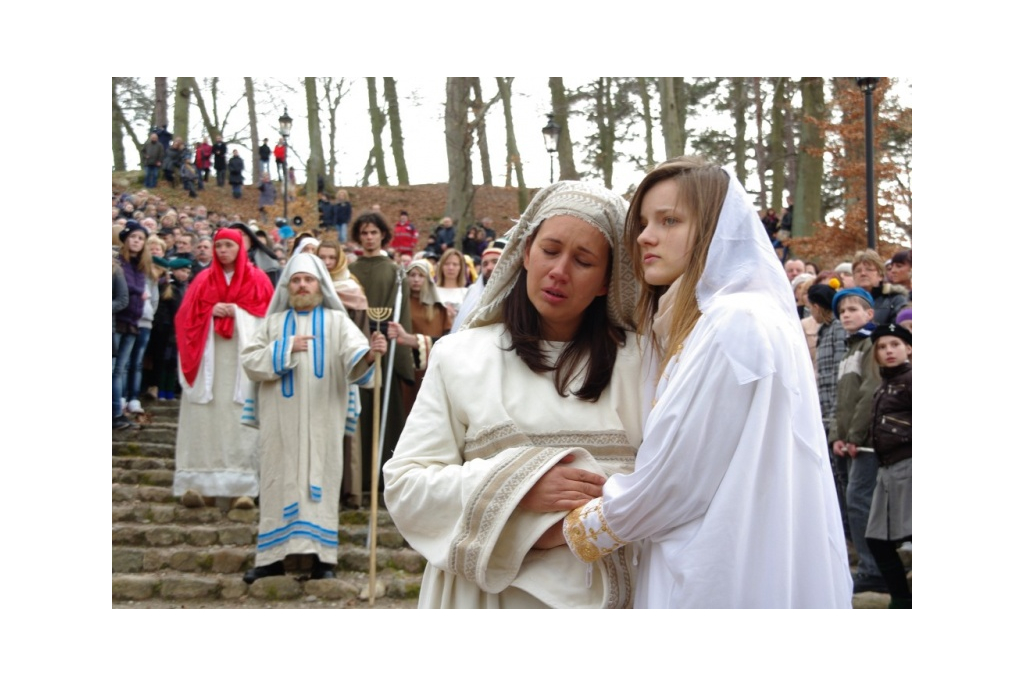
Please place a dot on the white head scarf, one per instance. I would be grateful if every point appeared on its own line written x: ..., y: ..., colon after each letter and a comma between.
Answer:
x: 741, y: 258
x: 305, y: 263
x: 428, y: 293
x: 594, y: 204
x: 305, y: 242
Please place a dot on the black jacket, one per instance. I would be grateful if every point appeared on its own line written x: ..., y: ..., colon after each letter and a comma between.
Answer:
x: 890, y: 416
x: 236, y: 165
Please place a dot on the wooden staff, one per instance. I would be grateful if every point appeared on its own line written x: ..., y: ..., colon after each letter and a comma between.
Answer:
x: 377, y: 314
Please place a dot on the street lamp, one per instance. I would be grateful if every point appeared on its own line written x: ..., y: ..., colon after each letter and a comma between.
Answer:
x: 286, y: 128
x: 551, y: 132
x: 867, y: 84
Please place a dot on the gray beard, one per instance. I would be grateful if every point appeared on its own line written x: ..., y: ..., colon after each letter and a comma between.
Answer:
x: 304, y: 303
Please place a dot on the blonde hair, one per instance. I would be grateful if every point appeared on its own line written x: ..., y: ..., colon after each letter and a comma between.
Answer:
x: 460, y: 282
x: 702, y: 187
x: 342, y: 260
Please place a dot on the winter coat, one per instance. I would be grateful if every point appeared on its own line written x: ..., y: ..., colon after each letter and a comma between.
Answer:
x: 203, y: 154
x: 889, y: 300
x: 890, y: 416
x: 220, y: 156
x: 152, y: 153
x: 236, y: 165
x: 856, y: 382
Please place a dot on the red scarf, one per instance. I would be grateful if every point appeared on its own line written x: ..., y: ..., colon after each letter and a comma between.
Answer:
x: 250, y: 289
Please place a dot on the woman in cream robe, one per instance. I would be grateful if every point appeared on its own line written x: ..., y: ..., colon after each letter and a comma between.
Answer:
x: 486, y: 429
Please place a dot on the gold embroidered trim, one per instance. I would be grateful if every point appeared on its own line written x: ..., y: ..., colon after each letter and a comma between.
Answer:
x: 576, y: 535
x: 585, y: 541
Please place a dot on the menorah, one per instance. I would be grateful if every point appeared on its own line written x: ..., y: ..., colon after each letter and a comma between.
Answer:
x: 378, y: 315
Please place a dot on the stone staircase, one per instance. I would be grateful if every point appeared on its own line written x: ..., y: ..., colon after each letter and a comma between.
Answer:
x: 167, y: 555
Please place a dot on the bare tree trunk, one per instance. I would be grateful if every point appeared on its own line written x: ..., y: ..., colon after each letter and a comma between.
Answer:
x: 759, y: 148
x: 254, y: 136
x: 776, y: 145
x: 645, y: 102
x: 459, y: 143
x: 367, y: 170
x: 789, y: 131
x: 315, y: 169
x: 480, y: 126
x: 739, y: 117
x: 182, y: 89
x: 397, y: 144
x: 670, y: 120
x: 211, y: 127
x: 682, y: 90
x: 560, y: 107
x: 160, y: 101
x: 512, y: 149
x: 334, y: 91
x: 116, y: 129
x: 604, y: 109
x: 377, y: 123
x: 810, y: 166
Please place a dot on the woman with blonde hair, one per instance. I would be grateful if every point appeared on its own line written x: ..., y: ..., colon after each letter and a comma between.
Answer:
x: 451, y: 279
x: 732, y: 492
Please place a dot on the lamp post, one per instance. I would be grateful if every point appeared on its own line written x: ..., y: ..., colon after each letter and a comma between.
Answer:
x: 286, y: 128
x: 551, y: 132
x: 867, y: 85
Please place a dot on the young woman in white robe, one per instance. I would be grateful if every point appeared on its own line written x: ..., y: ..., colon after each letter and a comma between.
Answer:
x: 732, y: 494
x: 522, y: 415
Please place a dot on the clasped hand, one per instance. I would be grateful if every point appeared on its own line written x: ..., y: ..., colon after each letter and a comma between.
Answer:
x: 562, y: 488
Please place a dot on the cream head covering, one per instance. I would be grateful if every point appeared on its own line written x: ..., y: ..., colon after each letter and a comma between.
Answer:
x: 594, y: 204
x: 305, y: 263
x: 428, y: 293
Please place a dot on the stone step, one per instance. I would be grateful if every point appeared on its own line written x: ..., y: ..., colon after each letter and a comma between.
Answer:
x: 395, y: 589
x: 143, y: 476
x: 151, y: 508
x: 140, y: 462
x: 152, y: 433
x: 136, y: 443
x: 175, y: 533
x: 121, y: 492
x: 235, y: 559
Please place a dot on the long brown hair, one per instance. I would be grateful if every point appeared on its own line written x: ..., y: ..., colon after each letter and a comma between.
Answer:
x: 595, y: 344
x: 702, y: 188
x: 145, y: 260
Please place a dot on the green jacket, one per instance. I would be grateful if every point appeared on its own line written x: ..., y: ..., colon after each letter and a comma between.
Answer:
x: 856, y: 381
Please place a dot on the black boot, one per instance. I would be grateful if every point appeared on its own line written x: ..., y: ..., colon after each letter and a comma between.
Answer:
x: 254, y: 574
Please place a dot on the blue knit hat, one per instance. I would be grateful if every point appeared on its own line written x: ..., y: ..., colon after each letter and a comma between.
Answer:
x: 846, y: 292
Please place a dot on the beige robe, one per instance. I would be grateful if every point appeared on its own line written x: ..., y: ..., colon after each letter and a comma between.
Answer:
x: 303, y: 398
x: 483, y: 430
x: 215, y: 454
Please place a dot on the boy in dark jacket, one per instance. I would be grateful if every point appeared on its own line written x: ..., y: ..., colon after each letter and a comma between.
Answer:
x: 889, y: 522
x: 856, y: 382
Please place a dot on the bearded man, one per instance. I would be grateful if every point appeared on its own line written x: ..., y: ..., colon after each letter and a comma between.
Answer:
x: 303, y: 357
x: 488, y: 260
